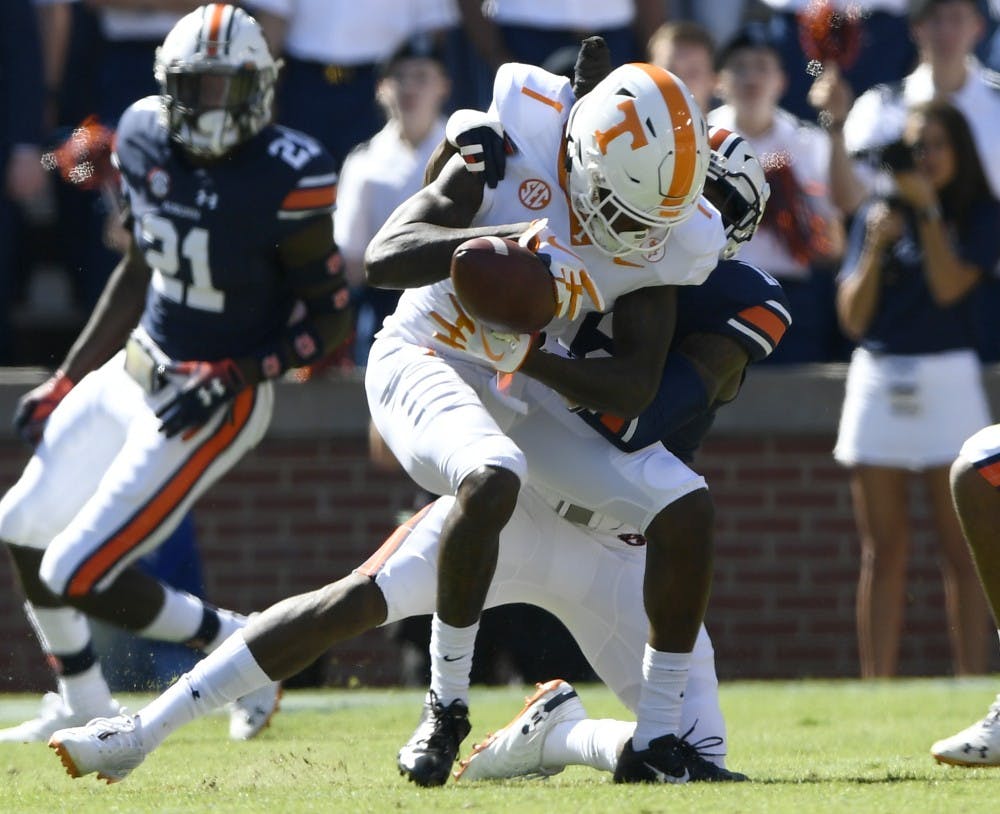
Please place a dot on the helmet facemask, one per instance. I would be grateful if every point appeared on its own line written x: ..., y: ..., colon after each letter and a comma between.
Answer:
x: 212, y: 108
x: 736, y: 186
x: 216, y: 78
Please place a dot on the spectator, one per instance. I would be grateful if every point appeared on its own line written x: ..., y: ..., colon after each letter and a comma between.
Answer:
x: 801, y: 235
x: 914, y: 391
x: 21, y: 101
x: 384, y: 171
x: 332, y: 50
x: 720, y: 19
x: 530, y: 31
x: 884, y: 51
x: 687, y: 50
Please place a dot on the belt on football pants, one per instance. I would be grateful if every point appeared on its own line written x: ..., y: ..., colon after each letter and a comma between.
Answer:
x: 145, y: 362
x: 581, y: 516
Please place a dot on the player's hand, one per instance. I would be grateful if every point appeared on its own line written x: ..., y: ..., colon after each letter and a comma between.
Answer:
x: 593, y: 63
x: 503, y: 351
x: 574, y: 286
x: 35, y: 407
x: 481, y: 142
x: 203, y: 388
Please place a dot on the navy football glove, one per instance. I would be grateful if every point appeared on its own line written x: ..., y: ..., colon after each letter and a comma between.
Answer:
x: 481, y: 142
x: 204, y: 387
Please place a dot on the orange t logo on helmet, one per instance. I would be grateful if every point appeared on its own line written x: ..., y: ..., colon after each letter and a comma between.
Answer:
x: 629, y: 124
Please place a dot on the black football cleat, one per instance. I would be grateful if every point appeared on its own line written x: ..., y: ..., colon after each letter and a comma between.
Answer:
x: 429, y: 755
x: 672, y: 759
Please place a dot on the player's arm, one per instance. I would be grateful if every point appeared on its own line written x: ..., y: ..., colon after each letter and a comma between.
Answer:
x: 625, y: 383
x: 703, y: 371
x: 415, y: 245
x: 113, y: 318
x: 115, y: 315
x: 316, y: 272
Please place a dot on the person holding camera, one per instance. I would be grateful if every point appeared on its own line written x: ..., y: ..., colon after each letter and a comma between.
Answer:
x: 914, y: 390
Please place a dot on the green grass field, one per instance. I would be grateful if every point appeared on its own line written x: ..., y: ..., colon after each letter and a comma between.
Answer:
x: 810, y: 746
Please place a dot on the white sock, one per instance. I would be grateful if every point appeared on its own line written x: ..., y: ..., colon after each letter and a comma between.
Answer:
x: 451, y: 660
x: 230, y: 622
x: 178, y: 619
x: 664, y: 677
x: 86, y: 694
x: 590, y: 742
x: 64, y: 632
x: 230, y: 672
x: 182, y: 617
x: 59, y: 630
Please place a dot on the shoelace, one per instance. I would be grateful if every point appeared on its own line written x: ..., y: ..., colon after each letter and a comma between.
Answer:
x: 701, y: 747
x: 445, y: 725
x: 993, y: 716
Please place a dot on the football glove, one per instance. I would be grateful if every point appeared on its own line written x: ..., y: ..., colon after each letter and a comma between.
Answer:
x: 35, y: 407
x: 574, y: 286
x: 481, y: 142
x: 202, y: 388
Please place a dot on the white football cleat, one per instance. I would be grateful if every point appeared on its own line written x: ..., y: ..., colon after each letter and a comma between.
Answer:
x: 249, y: 715
x: 978, y: 745
x: 54, y: 715
x: 516, y: 750
x: 112, y: 747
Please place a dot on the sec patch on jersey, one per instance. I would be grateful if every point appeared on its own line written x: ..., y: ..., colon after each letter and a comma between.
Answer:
x: 503, y: 284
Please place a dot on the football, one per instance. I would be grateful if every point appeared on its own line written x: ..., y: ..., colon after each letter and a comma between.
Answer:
x: 503, y: 284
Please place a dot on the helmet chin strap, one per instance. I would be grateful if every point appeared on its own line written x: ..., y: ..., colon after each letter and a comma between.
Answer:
x: 207, y: 133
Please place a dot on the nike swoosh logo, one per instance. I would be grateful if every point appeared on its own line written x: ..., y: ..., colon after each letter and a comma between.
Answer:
x: 451, y: 658
x: 664, y: 777
x: 486, y: 347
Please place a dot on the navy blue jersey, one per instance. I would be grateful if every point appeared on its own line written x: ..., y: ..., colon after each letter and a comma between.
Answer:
x: 738, y: 301
x: 907, y: 320
x: 211, y: 232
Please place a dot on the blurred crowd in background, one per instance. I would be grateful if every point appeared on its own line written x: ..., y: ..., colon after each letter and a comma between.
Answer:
x: 819, y: 95
x: 63, y: 63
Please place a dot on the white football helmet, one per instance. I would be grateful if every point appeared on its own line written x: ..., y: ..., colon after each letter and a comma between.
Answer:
x: 735, y: 186
x: 216, y: 78
x: 637, y: 154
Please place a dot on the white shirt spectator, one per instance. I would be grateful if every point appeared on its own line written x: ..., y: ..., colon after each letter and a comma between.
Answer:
x: 877, y: 117
x: 349, y: 32
x: 806, y: 149
x: 375, y: 179
x: 585, y: 15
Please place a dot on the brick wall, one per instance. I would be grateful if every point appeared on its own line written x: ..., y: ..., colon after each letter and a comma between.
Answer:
x: 306, y: 507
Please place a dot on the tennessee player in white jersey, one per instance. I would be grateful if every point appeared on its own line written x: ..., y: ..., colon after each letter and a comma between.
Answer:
x: 624, y: 167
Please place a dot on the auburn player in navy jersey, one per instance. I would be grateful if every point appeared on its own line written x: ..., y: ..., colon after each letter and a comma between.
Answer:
x: 230, y: 278
x: 582, y: 568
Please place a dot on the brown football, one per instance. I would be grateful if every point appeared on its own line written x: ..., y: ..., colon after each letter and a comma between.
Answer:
x: 503, y: 284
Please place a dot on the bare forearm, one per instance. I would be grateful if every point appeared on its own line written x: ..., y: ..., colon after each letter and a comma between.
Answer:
x: 847, y: 190
x: 858, y: 295
x: 948, y: 278
x: 117, y: 312
x: 601, y: 384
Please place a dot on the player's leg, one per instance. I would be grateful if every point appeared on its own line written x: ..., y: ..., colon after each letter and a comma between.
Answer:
x: 879, y: 496
x: 966, y: 610
x: 398, y: 580
x: 80, y: 440
x: 430, y: 412
x: 142, y: 495
x: 592, y: 582
x: 975, y: 485
x: 654, y: 491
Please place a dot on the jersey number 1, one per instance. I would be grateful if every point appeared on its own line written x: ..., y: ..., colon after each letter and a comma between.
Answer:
x: 165, y: 256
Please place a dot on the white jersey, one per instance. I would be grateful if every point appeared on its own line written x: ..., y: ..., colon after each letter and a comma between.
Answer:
x: 533, y: 106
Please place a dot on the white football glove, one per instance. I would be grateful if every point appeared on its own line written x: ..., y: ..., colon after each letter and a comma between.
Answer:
x: 574, y: 285
x: 504, y: 352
